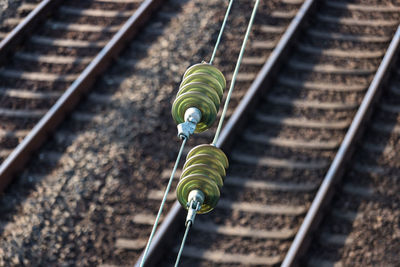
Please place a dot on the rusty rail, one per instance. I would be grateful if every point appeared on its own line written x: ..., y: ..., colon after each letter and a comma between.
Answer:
x: 338, y: 166
x: 20, y: 155
x: 174, y: 219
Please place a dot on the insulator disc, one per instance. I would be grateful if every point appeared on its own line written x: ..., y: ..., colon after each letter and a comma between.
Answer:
x: 203, y: 77
x: 203, y: 169
x: 202, y: 88
x: 207, y: 68
x: 211, y: 150
x: 198, y: 100
x: 202, y: 84
x: 206, y: 159
x: 204, y: 184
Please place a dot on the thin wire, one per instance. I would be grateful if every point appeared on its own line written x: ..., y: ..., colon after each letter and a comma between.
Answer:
x: 221, y: 31
x: 239, y: 61
x: 146, y: 251
x: 178, y: 258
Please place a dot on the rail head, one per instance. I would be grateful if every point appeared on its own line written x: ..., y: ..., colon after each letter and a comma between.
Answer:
x: 336, y: 170
x: 20, y: 155
x: 171, y: 225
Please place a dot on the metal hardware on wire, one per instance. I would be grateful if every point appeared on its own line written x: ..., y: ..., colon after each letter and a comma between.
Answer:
x: 187, y: 128
x: 196, y: 197
x: 184, y: 131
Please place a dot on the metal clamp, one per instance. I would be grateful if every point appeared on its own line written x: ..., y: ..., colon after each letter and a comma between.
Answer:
x: 192, y: 118
x: 195, y: 200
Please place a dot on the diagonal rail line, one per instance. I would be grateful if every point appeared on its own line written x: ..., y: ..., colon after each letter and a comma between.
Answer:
x: 17, y: 35
x: 336, y: 170
x: 65, y: 104
x: 169, y: 227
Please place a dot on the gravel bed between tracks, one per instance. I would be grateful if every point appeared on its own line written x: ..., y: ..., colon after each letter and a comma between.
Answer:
x: 8, y: 8
x: 66, y: 215
x: 250, y: 156
x: 72, y: 213
x: 373, y: 236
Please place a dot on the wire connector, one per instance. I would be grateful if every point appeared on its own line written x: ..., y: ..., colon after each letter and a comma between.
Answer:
x: 192, y: 118
x: 195, y: 200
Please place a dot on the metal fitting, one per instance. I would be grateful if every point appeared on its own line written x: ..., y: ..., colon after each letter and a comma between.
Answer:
x: 192, y: 118
x: 195, y: 200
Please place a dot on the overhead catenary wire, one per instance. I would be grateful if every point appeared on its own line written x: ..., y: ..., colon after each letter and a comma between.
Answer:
x: 235, y: 73
x: 168, y: 188
x: 234, y: 76
x: 178, y: 258
x: 145, y: 253
x: 221, y: 31
x: 215, y: 138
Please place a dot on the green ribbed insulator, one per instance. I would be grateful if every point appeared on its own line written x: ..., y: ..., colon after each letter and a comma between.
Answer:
x: 202, y: 87
x: 204, y: 184
x: 209, y: 69
x: 197, y: 100
x: 207, y: 159
x: 212, y: 150
x: 204, y: 170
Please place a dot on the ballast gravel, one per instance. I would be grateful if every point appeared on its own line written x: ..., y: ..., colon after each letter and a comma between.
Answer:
x: 65, y: 209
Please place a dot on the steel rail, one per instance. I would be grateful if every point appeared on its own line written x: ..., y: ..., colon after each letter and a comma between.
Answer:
x: 27, y: 25
x: 338, y: 166
x: 175, y: 217
x: 20, y: 155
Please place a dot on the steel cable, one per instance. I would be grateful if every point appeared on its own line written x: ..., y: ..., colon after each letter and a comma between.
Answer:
x: 235, y: 73
x: 182, y: 146
x: 223, y: 115
x: 153, y: 231
x: 228, y: 10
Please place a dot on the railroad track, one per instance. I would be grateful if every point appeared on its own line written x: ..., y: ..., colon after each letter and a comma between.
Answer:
x: 10, y: 21
x: 361, y: 224
x: 269, y: 27
x: 119, y: 233
x: 49, y: 169
x: 44, y: 72
x: 284, y: 151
